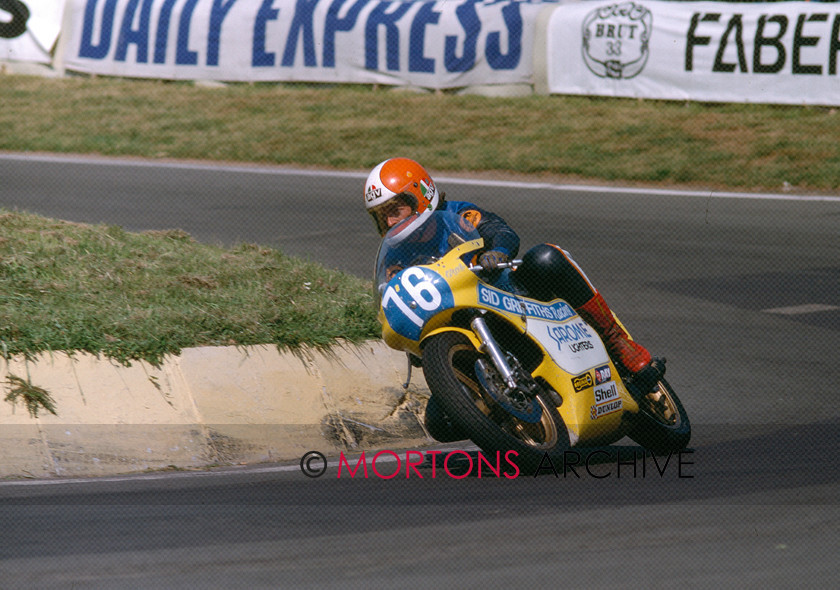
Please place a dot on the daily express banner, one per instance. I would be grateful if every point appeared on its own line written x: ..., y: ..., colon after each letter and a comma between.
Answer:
x: 442, y: 44
x: 785, y: 52
x: 28, y: 29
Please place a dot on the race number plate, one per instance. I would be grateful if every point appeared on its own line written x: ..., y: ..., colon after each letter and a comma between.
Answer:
x: 412, y: 298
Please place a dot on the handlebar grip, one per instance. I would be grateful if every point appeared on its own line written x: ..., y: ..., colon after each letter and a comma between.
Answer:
x: 511, y: 264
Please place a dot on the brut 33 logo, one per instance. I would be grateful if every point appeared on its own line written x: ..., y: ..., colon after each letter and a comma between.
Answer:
x: 616, y: 40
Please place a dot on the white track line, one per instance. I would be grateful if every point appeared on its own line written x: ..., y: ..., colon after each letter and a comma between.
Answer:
x: 281, y: 171
x: 800, y: 309
x: 332, y: 461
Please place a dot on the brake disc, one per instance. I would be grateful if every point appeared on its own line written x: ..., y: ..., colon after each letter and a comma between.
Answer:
x: 515, y: 402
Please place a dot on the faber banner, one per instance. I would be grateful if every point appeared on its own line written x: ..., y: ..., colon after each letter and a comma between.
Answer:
x: 28, y: 29
x: 779, y: 52
x: 445, y: 44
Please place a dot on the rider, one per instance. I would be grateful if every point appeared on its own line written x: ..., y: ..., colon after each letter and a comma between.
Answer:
x: 399, y: 188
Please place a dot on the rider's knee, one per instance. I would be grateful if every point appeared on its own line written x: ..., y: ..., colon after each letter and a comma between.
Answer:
x: 538, y: 271
x: 544, y: 256
x: 546, y: 272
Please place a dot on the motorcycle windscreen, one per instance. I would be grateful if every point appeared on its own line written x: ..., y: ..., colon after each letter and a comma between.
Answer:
x: 420, y: 239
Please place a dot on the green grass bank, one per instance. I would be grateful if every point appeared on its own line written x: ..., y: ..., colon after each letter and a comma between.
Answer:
x: 129, y: 296
x: 745, y: 147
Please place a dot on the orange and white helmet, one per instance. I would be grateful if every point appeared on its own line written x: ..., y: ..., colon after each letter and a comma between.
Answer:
x: 399, y: 180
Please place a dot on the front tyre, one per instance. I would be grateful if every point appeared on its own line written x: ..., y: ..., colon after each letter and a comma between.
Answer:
x: 662, y: 424
x: 449, y: 367
x: 439, y: 425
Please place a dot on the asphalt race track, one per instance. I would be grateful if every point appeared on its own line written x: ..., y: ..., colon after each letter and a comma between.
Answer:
x: 740, y: 292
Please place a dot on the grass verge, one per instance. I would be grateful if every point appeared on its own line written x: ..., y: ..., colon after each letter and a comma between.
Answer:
x: 743, y: 146
x: 129, y: 296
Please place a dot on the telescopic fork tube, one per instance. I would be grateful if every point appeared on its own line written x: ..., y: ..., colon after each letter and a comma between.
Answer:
x: 490, y: 347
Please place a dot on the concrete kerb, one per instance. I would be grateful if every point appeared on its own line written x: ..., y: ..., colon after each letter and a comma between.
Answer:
x: 209, y: 406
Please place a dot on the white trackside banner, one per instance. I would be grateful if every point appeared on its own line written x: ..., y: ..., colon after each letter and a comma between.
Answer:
x: 444, y: 44
x: 778, y: 52
x: 28, y: 29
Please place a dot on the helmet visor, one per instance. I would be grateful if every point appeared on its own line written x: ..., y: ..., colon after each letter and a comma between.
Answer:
x: 390, y: 213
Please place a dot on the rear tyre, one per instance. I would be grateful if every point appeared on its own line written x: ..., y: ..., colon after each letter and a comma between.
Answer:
x: 662, y: 424
x: 449, y: 367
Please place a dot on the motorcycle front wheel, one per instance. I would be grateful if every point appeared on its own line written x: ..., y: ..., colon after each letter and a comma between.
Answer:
x: 662, y: 424
x: 449, y: 367
x: 439, y: 425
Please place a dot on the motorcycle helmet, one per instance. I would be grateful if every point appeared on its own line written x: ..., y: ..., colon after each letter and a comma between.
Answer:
x: 395, y: 182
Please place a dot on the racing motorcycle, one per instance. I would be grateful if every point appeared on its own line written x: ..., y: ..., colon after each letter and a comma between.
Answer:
x: 509, y: 372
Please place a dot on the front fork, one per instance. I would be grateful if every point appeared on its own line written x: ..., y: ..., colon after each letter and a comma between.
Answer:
x: 490, y: 347
x: 518, y: 392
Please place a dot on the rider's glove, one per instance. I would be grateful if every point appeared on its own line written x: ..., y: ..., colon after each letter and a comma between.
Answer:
x: 491, y: 259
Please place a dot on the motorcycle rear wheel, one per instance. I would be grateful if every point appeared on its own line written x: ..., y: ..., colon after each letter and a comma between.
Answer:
x: 662, y: 424
x: 449, y: 367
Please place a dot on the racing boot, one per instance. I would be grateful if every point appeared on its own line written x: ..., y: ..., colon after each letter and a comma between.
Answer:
x: 623, y: 351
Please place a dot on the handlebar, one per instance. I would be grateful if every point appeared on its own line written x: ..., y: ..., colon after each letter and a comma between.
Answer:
x: 511, y: 264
